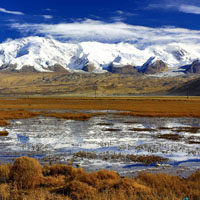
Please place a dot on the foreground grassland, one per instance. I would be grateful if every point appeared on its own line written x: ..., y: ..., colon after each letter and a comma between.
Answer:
x: 27, y: 179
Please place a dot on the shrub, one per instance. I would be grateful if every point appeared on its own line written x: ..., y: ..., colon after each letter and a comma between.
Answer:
x: 27, y: 172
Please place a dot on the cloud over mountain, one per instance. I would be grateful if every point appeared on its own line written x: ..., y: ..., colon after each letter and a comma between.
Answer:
x: 94, y: 30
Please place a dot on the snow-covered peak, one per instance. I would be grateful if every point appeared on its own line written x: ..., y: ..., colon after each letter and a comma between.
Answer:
x: 37, y: 52
x: 42, y: 53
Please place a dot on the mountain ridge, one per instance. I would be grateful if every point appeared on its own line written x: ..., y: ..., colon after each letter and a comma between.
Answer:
x: 45, y: 55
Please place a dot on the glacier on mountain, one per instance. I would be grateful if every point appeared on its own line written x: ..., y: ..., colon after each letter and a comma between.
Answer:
x: 41, y: 53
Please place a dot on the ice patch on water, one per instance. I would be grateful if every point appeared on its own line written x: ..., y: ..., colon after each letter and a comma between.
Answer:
x: 22, y: 139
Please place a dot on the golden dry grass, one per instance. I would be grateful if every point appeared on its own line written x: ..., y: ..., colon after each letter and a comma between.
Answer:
x: 138, y: 106
x: 73, y: 116
x: 4, y: 122
x: 23, y: 114
x: 4, y: 191
x: 65, y: 182
x: 4, y: 173
x: 6, y: 115
x: 16, y: 114
x: 20, y: 108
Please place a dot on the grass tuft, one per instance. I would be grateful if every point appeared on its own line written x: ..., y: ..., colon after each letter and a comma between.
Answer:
x: 26, y: 172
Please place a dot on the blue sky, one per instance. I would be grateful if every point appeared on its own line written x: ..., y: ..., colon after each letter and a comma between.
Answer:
x: 101, y: 20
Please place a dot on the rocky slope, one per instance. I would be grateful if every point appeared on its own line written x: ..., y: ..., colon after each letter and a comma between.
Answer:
x: 190, y: 88
x: 192, y: 68
x: 152, y: 66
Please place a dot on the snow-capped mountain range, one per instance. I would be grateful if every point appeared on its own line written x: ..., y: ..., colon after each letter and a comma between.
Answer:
x: 42, y: 53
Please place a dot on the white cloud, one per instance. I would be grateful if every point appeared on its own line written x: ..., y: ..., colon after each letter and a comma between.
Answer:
x: 120, y: 12
x: 47, y: 16
x: 124, y: 13
x: 48, y: 9
x: 11, y: 12
x: 189, y: 9
x: 93, y: 30
x: 117, y: 18
x: 185, y: 8
x: 159, y: 6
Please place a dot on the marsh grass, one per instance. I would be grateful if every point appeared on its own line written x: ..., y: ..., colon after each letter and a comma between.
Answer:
x: 130, y: 122
x: 17, y: 114
x: 193, y: 129
x: 142, y: 107
x: 6, y: 115
x: 146, y: 159
x: 104, y: 124
x: 136, y: 106
x: 169, y: 136
x: 193, y: 142
x: 142, y: 129
x: 187, y: 129
x: 164, y: 128
x: 4, y: 122
x: 111, y: 129
x: 73, y: 116
x: 4, y: 133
